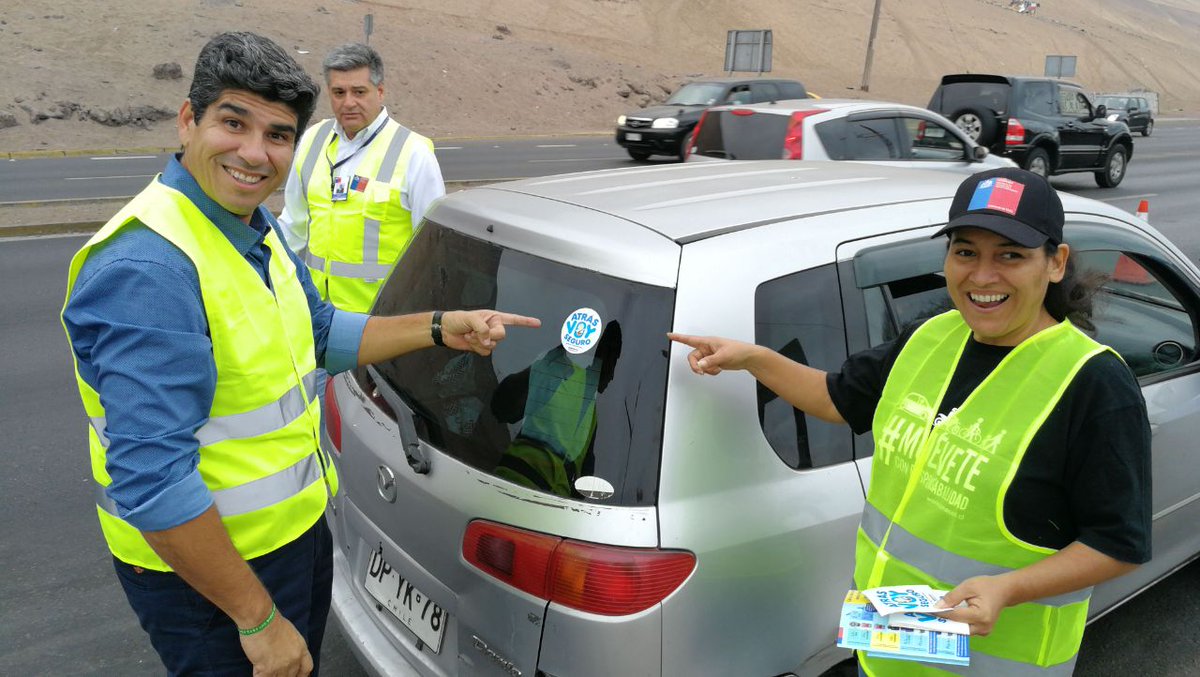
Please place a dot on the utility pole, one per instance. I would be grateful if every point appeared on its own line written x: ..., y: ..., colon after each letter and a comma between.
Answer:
x: 866, y: 81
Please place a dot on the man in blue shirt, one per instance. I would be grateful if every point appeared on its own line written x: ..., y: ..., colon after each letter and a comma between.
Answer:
x: 141, y: 337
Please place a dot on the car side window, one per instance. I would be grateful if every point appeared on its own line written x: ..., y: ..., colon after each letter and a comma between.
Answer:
x: 1137, y: 313
x: 793, y: 315
x: 763, y: 91
x: 928, y: 140
x: 872, y: 139
x: 1073, y: 103
x: 1039, y: 98
x: 739, y: 94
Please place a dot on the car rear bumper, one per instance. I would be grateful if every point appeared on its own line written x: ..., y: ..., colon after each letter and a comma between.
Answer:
x: 649, y: 140
x: 371, y: 647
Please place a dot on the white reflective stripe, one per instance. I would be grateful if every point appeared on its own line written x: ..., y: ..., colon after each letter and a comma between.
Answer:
x: 261, y: 493
x: 362, y: 271
x: 315, y: 150
x: 387, y: 169
x: 940, y: 563
x: 98, y: 424
x: 266, y: 419
x: 315, y: 262
x: 987, y: 664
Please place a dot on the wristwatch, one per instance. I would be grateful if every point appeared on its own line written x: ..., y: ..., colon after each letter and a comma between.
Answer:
x: 435, y: 329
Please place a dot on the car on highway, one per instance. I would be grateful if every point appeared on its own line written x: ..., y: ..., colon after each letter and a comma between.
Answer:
x: 1134, y: 111
x: 1045, y: 125
x: 665, y: 129
x: 839, y: 129
x: 580, y: 503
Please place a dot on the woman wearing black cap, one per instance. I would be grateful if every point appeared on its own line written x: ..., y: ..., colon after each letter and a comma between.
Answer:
x: 1012, y: 452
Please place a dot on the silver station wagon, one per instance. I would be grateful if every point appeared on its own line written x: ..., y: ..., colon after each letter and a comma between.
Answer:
x: 581, y: 504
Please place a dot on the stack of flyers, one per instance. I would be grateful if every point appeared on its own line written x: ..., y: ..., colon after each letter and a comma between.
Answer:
x: 906, y: 633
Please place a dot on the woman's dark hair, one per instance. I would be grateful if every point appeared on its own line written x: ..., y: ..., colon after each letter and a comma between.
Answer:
x: 1071, y: 298
x: 252, y: 63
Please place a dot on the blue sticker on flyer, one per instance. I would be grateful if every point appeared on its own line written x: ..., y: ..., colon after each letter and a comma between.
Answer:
x: 581, y: 330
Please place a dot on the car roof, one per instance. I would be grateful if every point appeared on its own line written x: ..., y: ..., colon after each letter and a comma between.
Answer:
x: 788, y: 106
x: 1009, y: 79
x: 733, y: 81
x: 694, y: 201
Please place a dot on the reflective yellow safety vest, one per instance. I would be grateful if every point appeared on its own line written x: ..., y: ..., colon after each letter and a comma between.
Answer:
x: 558, y: 426
x: 259, y: 452
x: 934, y: 511
x: 353, y: 243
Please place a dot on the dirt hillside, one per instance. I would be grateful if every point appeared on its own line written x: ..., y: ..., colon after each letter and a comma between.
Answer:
x: 81, y: 73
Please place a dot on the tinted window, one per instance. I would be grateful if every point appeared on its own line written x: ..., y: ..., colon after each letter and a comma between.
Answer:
x: 1038, y: 98
x: 763, y: 91
x: 794, y: 316
x: 697, y: 94
x: 533, y: 413
x: 738, y: 94
x: 873, y: 139
x: 792, y: 90
x: 961, y: 96
x: 928, y: 140
x: 1138, y: 315
x: 744, y: 136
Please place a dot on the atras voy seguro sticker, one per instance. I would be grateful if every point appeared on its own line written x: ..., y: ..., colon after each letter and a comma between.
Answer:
x: 580, y: 331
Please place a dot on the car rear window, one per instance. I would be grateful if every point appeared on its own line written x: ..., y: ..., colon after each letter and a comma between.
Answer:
x: 741, y: 135
x: 959, y: 96
x: 543, y: 410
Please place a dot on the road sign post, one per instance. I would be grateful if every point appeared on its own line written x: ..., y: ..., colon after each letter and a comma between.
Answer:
x: 368, y: 28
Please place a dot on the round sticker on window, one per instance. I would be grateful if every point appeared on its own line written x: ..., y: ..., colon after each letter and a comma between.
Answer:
x: 580, y: 331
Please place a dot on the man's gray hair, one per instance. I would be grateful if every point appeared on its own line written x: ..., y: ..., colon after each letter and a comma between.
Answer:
x: 352, y: 56
x: 251, y: 63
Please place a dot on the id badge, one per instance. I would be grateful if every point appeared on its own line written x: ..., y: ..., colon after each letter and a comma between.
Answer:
x: 339, y: 189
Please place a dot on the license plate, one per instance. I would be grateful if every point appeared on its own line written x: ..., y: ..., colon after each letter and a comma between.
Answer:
x: 633, y: 136
x: 412, y: 607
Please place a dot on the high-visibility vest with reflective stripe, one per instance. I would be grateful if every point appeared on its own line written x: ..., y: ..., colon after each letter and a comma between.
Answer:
x: 558, y: 426
x: 353, y: 243
x: 935, y: 506
x: 259, y: 453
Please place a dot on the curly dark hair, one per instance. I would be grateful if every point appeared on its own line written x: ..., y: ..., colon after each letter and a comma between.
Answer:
x: 1071, y: 299
x: 252, y: 63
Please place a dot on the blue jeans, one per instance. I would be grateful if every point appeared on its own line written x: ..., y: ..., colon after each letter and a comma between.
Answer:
x: 193, y: 637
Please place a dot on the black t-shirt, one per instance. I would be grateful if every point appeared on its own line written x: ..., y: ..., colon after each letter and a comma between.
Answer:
x: 1086, y: 474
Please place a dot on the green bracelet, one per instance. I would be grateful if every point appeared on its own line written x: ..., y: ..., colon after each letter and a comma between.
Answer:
x: 261, y: 626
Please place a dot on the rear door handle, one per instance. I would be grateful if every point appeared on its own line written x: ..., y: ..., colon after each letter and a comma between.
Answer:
x: 417, y: 459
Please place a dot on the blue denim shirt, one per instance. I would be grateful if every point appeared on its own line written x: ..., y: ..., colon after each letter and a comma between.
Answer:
x: 140, y: 335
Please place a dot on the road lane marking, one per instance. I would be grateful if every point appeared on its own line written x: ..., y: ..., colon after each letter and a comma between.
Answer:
x: 447, y: 147
x: 97, y: 178
x: 557, y: 145
x: 1126, y: 197
x: 582, y: 159
x: 124, y: 157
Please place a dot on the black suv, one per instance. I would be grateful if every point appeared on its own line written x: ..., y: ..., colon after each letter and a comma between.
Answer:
x: 666, y: 129
x: 1047, y: 126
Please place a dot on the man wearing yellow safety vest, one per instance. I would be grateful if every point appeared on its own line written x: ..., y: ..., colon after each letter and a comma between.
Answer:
x: 196, y: 335
x: 359, y: 186
x: 1012, y: 451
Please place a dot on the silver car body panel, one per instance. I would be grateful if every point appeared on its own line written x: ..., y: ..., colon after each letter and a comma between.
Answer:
x: 773, y: 545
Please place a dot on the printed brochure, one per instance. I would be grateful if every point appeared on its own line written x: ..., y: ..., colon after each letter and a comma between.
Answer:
x: 905, y: 635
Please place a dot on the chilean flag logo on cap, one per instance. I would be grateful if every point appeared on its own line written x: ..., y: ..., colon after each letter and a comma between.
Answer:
x: 1000, y: 194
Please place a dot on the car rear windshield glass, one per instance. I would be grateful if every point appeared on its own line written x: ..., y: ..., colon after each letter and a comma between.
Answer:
x: 697, y: 94
x: 962, y: 96
x: 741, y: 136
x: 581, y: 397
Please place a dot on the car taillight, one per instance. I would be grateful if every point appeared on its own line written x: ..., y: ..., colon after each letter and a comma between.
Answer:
x: 333, y: 417
x: 1016, y: 133
x: 793, y: 141
x: 599, y: 579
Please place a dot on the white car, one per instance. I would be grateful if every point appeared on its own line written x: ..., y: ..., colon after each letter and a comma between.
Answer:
x: 839, y: 129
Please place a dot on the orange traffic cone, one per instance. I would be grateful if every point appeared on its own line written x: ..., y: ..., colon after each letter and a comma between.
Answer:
x: 1128, y: 270
x: 1143, y: 210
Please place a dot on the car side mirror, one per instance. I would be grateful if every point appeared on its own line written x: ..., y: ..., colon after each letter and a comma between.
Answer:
x: 1101, y: 111
x: 979, y: 153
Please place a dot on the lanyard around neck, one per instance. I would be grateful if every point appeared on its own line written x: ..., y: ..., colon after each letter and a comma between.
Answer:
x: 334, y: 165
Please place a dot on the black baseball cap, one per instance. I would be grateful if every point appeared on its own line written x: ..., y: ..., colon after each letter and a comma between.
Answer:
x: 1015, y: 203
